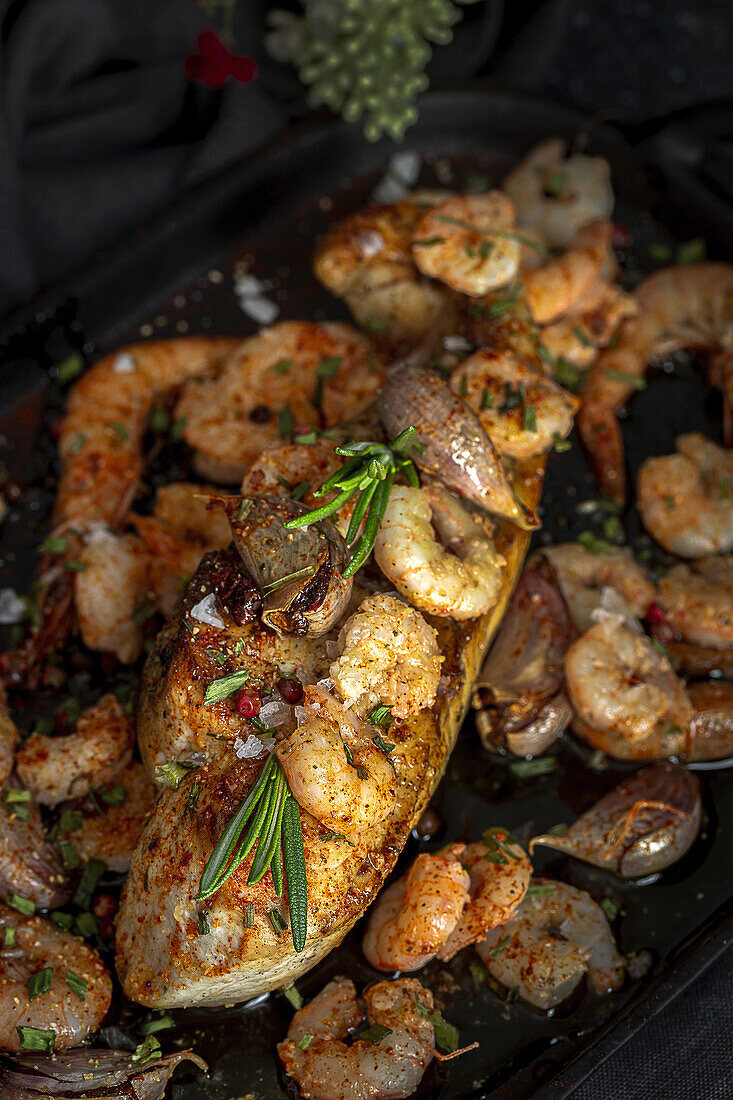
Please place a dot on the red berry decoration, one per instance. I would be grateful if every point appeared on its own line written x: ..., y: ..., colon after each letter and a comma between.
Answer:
x: 291, y: 690
x: 248, y: 703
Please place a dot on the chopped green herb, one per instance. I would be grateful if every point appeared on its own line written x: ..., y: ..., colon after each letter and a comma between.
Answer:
x: 307, y: 439
x: 528, y: 769
x: 582, y: 337
x: 148, y: 1051
x: 558, y: 830
x: 278, y: 922
x: 723, y: 488
x: 592, y: 543
x: 282, y: 366
x: 670, y: 502
x: 481, y: 231
x: 204, y: 927
x: 485, y: 249
x: 77, y: 985
x: 375, y: 1033
x: 54, y: 544
x: 359, y: 768
x: 69, y: 855
x: 171, y: 774
x: 35, y: 1038
x: 63, y: 921
x: 383, y: 746
x: 487, y: 400
x: 160, y: 420
x: 426, y: 242
x: 39, y: 983
x: 692, y: 252
x: 225, y: 686
x: 44, y: 726
x: 70, y: 368
x: 541, y: 890
x: 660, y: 253
x: 86, y: 924
x: 513, y: 399
x: 114, y: 796
x: 305, y: 1040
x: 561, y: 445
x: 299, y: 491
x: 293, y: 996
x: 446, y: 1035
x: 192, y: 800
x: 611, y: 908
x: 216, y: 656
x: 77, y: 442
x: 285, y: 421
x: 331, y: 835
x: 327, y: 368
x: 632, y: 380
x: 248, y: 916
x: 497, y: 309
x: 23, y: 905
x: 500, y: 946
x: 479, y: 974
x: 512, y: 994
x: 374, y: 324
x: 162, y: 1023
x: 463, y: 386
x: 76, y: 566
x: 470, y: 251
x: 613, y: 530
x: 177, y: 429
x: 671, y: 730
x: 529, y: 419
x: 380, y: 716
x: 661, y: 648
x: 568, y: 375
x: 88, y: 882
x: 120, y: 431
x: 9, y: 936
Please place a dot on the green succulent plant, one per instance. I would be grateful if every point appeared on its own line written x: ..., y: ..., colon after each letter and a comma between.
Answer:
x: 365, y: 59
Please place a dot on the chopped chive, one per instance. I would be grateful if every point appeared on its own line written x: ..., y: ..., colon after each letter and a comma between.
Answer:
x: 39, y: 983
x: 529, y: 419
x: 427, y: 242
x: 380, y: 716
x: 285, y: 421
x: 70, y: 368
x: 463, y: 386
x: 479, y: 974
x: 36, y: 1038
x: 171, y: 774
x: 582, y: 337
x: 147, y: 1051
x: 513, y: 399
x: 77, y: 985
x: 555, y: 184
x: 192, y: 800
x: 282, y: 366
x: 375, y: 1033
x: 54, y: 544
x: 305, y: 1040
x: 114, y: 796
x: 660, y: 253
x: 500, y: 946
x: 160, y: 420
x: 560, y: 445
x: 9, y: 936
x: 487, y: 400
x: 86, y: 924
x: 632, y: 380
x: 162, y: 1023
x: 177, y: 429
x: 505, y: 234
x: 23, y: 905
x: 568, y: 375
x: 692, y: 252
x: 540, y: 890
x: 69, y: 855
x: 64, y: 922
x: 611, y: 908
x: 203, y: 923
x: 293, y: 996
x: 76, y: 566
x: 77, y: 442
x: 497, y: 309
x: 299, y: 491
x: 307, y: 439
x: 122, y: 433
x: 528, y: 769
x: 88, y: 882
x: 592, y: 543
x: 277, y: 921
x: 446, y: 1035
x: 383, y: 746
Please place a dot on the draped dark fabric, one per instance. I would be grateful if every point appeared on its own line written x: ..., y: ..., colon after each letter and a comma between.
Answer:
x: 100, y: 129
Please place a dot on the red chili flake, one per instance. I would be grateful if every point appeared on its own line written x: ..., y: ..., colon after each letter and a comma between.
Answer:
x: 214, y: 63
x: 655, y: 614
x: 248, y: 703
x: 659, y: 625
x: 291, y: 690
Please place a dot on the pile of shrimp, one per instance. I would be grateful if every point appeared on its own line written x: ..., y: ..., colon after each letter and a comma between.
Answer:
x: 483, y: 305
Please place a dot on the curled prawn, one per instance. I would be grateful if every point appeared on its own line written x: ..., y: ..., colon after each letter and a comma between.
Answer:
x: 697, y: 601
x: 609, y: 580
x: 523, y: 411
x: 556, y: 194
x: 55, y: 769
x: 468, y: 242
x: 678, y: 307
x: 557, y: 935
x: 334, y: 769
x: 685, y: 500
x: 458, y: 577
x: 389, y: 656
x: 61, y: 1009
x: 561, y: 283
x: 412, y: 919
x: 316, y: 1054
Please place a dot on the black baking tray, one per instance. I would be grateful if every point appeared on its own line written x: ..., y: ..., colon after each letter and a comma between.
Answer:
x: 175, y: 276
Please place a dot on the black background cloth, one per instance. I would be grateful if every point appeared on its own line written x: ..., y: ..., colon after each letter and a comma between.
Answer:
x: 100, y: 129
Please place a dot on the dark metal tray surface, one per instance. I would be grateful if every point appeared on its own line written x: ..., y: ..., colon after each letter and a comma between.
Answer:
x: 178, y: 276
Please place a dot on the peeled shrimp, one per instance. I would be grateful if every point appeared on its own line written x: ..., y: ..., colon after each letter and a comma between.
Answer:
x: 278, y: 471
x: 58, y: 768
x: 114, y: 584
x: 112, y: 834
x: 523, y: 412
x: 561, y: 283
x: 686, y: 500
x: 389, y: 656
x: 679, y: 307
x: 60, y: 1009
x: 555, y: 937
x: 311, y: 375
x: 316, y: 1055
x: 500, y: 873
x: 646, y: 823
x: 334, y: 769
x: 106, y: 417
x: 468, y: 242
x: 625, y: 690
x: 556, y: 195
x: 29, y: 864
x: 458, y: 577
x: 590, y: 324
x: 610, y: 580
x: 698, y: 601
x: 412, y: 919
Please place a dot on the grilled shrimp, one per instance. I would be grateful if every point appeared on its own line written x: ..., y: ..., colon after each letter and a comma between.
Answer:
x: 590, y: 324
x: 106, y: 416
x: 29, y: 864
x: 500, y: 873
x: 556, y: 936
x: 293, y: 373
x: 698, y: 601
x: 625, y: 691
x: 522, y: 411
x: 112, y: 833
x: 561, y: 283
x: 113, y: 585
x: 390, y: 656
x: 458, y: 577
x: 557, y: 195
x: 646, y: 823
x: 685, y: 500
x: 468, y: 242
x: 679, y: 307
x: 301, y: 467
x: 334, y: 769
x: 55, y: 769
x: 610, y: 580
x: 412, y: 919
x: 317, y: 1056
x: 79, y: 993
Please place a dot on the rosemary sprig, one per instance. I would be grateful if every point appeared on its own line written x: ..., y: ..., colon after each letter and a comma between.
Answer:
x: 270, y: 818
x: 369, y: 470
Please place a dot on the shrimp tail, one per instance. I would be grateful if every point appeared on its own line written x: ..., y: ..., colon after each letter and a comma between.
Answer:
x: 600, y: 434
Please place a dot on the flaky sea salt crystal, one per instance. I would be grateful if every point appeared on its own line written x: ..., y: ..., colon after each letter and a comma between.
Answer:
x: 456, y: 343
x: 371, y: 243
x: 261, y: 310
x: 403, y: 170
x: 123, y: 363
x: 249, y: 286
x: 12, y: 607
x: 205, y: 611
x: 250, y: 748
x: 275, y: 712
x: 326, y: 684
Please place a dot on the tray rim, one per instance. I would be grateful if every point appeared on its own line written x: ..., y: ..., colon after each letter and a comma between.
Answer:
x: 715, y: 936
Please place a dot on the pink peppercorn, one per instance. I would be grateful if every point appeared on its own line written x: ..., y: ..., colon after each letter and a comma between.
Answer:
x: 248, y: 703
